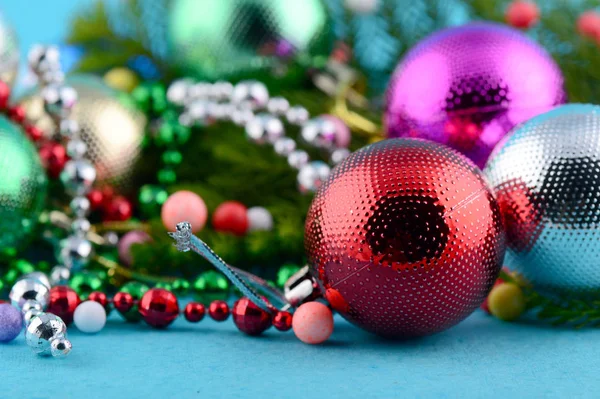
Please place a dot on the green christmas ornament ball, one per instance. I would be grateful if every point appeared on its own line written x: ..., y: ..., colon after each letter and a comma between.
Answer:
x: 229, y: 39
x: 22, y: 186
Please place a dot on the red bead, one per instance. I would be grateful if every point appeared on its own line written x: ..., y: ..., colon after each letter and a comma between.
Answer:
x: 119, y: 209
x: 249, y: 318
x: 231, y: 217
x: 53, y: 157
x: 3, y: 301
x: 63, y: 302
x: 96, y: 198
x: 123, y: 302
x: 218, y: 310
x: 159, y: 307
x: 99, y: 297
x: 522, y: 14
x: 17, y: 114
x: 108, y: 193
x: 34, y: 133
x: 283, y: 321
x: 194, y: 312
x: 4, y: 95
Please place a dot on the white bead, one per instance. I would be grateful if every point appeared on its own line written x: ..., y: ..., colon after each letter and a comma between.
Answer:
x: 259, y: 219
x: 89, y: 317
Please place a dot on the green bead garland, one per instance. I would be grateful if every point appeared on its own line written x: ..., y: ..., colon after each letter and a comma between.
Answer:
x: 136, y: 290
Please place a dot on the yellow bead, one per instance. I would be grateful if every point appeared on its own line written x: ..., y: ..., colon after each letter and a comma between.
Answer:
x: 121, y: 78
x: 506, y: 301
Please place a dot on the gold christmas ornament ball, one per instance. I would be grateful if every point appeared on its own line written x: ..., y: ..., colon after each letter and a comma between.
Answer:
x: 121, y: 78
x: 112, y: 130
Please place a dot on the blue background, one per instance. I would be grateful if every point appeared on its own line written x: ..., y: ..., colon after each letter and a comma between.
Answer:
x: 481, y: 357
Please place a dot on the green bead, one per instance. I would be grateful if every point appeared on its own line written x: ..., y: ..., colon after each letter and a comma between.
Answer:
x: 164, y: 286
x: 180, y: 287
x: 211, y: 285
x: 170, y: 115
x: 1, y: 285
x: 182, y: 134
x: 84, y: 283
x: 141, y: 96
x: 136, y: 290
x: 23, y: 266
x: 167, y: 176
x: 151, y: 199
x: 172, y: 157
x: 285, y: 272
x: 166, y: 134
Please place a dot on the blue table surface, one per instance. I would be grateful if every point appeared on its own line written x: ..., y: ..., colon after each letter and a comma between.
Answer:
x: 481, y: 357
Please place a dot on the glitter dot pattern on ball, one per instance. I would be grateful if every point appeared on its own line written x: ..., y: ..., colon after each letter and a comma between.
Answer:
x: 468, y: 86
x: 405, y: 238
x: 546, y: 177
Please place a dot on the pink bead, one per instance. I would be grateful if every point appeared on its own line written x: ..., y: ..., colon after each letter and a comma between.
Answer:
x: 312, y: 323
x: 588, y: 24
x: 342, y: 132
x: 125, y: 243
x: 184, y: 206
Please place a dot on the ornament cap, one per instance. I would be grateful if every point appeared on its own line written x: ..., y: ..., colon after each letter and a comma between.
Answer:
x: 182, y: 236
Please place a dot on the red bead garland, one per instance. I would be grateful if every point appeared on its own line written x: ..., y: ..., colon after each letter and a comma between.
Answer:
x: 159, y: 307
x: 101, y: 298
x: 218, y: 310
x: 53, y: 157
x: 282, y: 321
x: 63, y: 302
x: 194, y: 312
x: 123, y: 302
x: 249, y: 318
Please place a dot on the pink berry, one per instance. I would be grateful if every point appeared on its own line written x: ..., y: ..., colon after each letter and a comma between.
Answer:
x: 313, y: 323
x: 184, y: 206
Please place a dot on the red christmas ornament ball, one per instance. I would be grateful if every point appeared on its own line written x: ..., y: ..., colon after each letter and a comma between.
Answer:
x: 522, y: 14
x: 63, y: 302
x: 231, y: 217
x: 194, y: 312
x: 249, y: 318
x: 588, y: 25
x: 218, y: 310
x: 405, y: 238
x: 119, y: 209
x: 159, y: 307
x: 53, y: 157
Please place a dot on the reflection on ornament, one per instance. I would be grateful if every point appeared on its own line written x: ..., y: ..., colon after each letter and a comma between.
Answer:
x: 467, y: 87
x: 235, y: 38
x: 405, y: 238
x: 547, y: 180
x: 112, y: 131
x: 9, y: 53
x: 22, y: 186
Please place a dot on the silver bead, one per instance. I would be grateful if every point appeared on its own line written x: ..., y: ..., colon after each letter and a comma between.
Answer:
x: 250, y: 94
x: 297, y: 159
x: 78, y: 176
x: 59, y: 100
x: 81, y: 226
x: 278, y: 105
x: 76, y: 148
x: 178, y: 91
x: 338, y: 155
x: 284, y: 146
x: 42, y: 330
x: 297, y: 115
x: 319, y: 132
x: 60, y: 275
x: 312, y: 175
x: 31, y: 304
x: 219, y: 111
x: 80, y: 206
x: 198, y: 111
x: 69, y: 128
x: 29, y: 315
x: 43, y: 58
x: 264, y: 128
x: 111, y: 239
x: 221, y: 90
x: 41, y: 277
x: 199, y: 91
x: 53, y: 76
x: 60, y: 347
x: 29, y: 288
x: 75, y: 252
x: 241, y: 116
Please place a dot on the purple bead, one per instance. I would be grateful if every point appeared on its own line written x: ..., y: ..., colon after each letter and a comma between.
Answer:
x: 468, y: 86
x: 125, y: 243
x: 11, y: 322
x: 284, y: 49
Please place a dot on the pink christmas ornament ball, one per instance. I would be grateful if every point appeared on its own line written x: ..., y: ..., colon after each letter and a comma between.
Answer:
x: 125, y: 243
x: 313, y: 323
x: 184, y: 206
x: 467, y: 87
